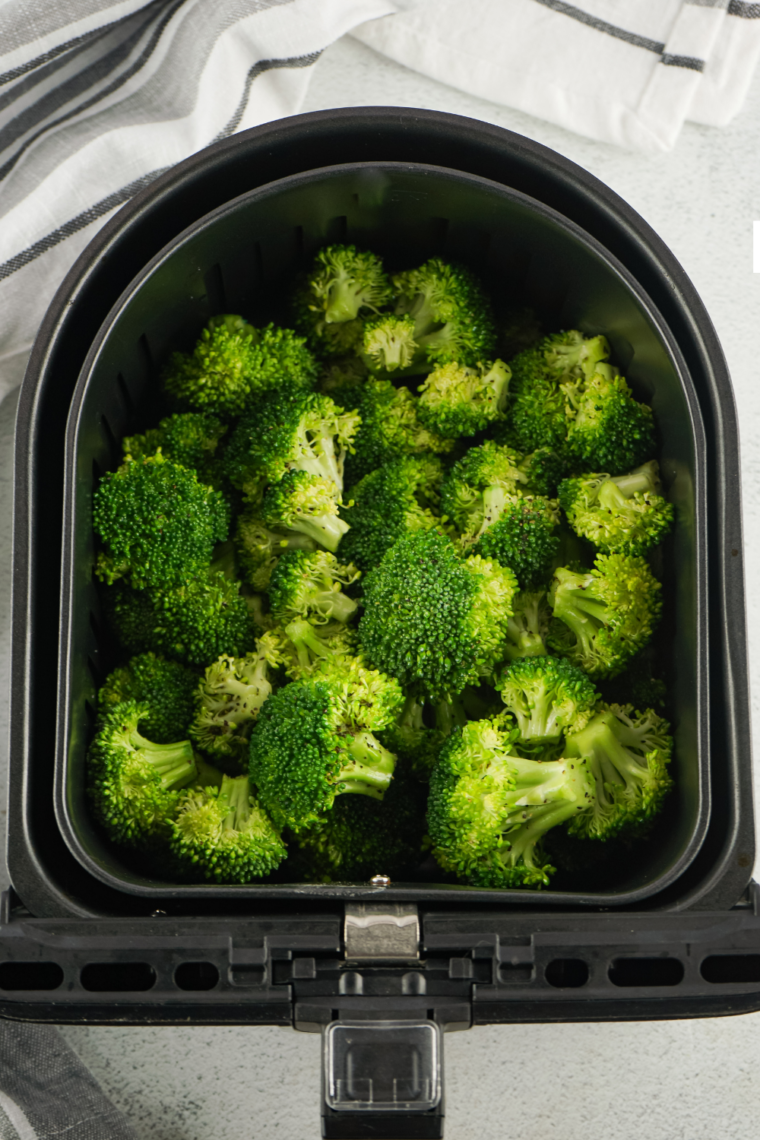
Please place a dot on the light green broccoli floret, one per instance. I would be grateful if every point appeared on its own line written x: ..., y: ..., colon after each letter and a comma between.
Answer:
x: 607, y: 429
x: 528, y: 626
x: 456, y: 400
x: 190, y: 439
x: 344, y: 285
x: 259, y: 548
x: 451, y: 312
x: 388, y: 343
x: 547, y: 696
x: 390, y: 428
x: 622, y: 513
x: 310, y: 586
x: 306, y: 647
x: 306, y: 504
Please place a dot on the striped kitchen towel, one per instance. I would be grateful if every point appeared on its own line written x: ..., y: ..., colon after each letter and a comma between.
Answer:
x: 629, y: 72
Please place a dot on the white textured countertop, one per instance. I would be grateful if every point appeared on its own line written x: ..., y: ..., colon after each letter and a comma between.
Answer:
x: 694, y: 1080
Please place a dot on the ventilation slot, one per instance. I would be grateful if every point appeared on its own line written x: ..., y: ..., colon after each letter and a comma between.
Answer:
x: 246, y: 976
x: 214, y: 283
x: 635, y: 972
x: 337, y: 230
x: 30, y: 976
x: 298, y: 233
x: 257, y: 268
x: 513, y: 975
x: 567, y: 973
x: 196, y: 976
x: 118, y: 977
x: 731, y: 969
x: 147, y: 356
x: 113, y: 445
x: 126, y: 395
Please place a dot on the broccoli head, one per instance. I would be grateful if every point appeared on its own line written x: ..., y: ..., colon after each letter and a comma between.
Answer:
x: 432, y: 619
x: 528, y: 626
x: 309, y: 586
x: 489, y: 808
x: 190, y: 439
x: 456, y: 400
x: 605, y: 615
x: 166, y: 687
x: 306, y: 504
x: 307, y: 648
x: 621, y: 513
x: 451, y: 312
x: 607, y: 429
x: 259, y: 548
x: 388, y: 343
x: 491, y: 465
x: 628, y: 753
x: 221, y: 835
x: 344, y: 285
x: 157, y: 522
x: 390, y: 427
x: 548, y: 697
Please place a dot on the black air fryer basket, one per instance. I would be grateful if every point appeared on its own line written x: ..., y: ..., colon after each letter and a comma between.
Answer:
x: 381, y: 970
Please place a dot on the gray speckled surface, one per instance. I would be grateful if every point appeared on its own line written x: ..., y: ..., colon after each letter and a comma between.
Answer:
x: 663, y: 1081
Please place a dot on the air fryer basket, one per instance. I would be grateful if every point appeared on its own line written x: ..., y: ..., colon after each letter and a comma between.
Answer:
x: 240, y: 258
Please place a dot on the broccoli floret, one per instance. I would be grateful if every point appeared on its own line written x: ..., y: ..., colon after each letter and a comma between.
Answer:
x: 166, y: 687
x: 228, y: 700
x: 307, y: 648
x: 459, y: 401
x: 547, y: 696
x: 392, y: 501
x: 390, y: 427
x: 190, y: 439
x: 309, y: 746
x: 158, y: 523
x: 306, y: 504
x: 291, y: 431
x: 259, y: 548
x: 541, y: 471
x: 343, y: 376
x: 359, y: 837
x: 607, y: 429
x: 622, y: 513
x: 488, y: 808
x: 420, y: 732
x: 605, y: 615
x: 388, y: 343
x: 480, y: 470
x: 451, y: 311
x: 628, y: 753
x: 309, y: 586
x: 433, y: 620
x: 528, y: 626
x: 132, y: 783
x: 194, y: 623
x: 221, y: 835
x: 233, y: 362
x: 344, y: 285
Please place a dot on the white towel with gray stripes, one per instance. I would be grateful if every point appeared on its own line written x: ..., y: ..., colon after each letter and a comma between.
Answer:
x: 98, y: 97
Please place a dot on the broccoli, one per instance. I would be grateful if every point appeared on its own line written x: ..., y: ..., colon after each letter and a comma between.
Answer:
x: 158, y: 523
x: 345, y: 375
x: 388, y: 343
x: 420, y: 731
x: 360, y: 837
x: 433, y: 620
x: 638, y: 683
x: 548, y: 697
x: 258, y: 548
x: 314, y: 740
x: 488, y: 807
x: 607, y: 429
x: 291, y: 431
x: 539, y: 416
x: 622, y: 513
x: 459, y: 401
x: 541, y: 471
x: 528, y: 626
x: 221, y: 835
x: 389, y: 502
x: 309, y: 586
x: 481, y: 470
x: 603, y: 616
x: 132, y: 783
x: 190, y: 439
x: 452, y: 314
x: 390, y: 427
x: 344, y: 285
x: 306, y: 648
x: 233, y: 362
x: 194, y: 623
x: 628, y: 753
x: 306, y: 504
x: 229, y: 697
x: 166, y: 687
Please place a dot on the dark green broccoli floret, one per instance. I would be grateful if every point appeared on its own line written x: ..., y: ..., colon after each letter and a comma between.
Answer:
x: 158, y: 523
x: 420, y: 732
x: 519, y: 531
x: 233, y: 362
x: 528, y: 626
x: 343, y: 285
x: 622, y: 513
x: 607, y: 429
x: 605, y: 615
x: 433, y: 620
x: 628, y: 753
x: 228, y: 700
x: 194, y: 623
x: 132, y: 783
x: 392, y: 501
x: 167, y: 688
x: 388, y: 343
x: 488, y: 808
x: 306, y: 504
x: 309, y: 586
x: 259, y: 548
x: 314, y: 740
x: 359, y: 837
x: 459, y: 401
x: 390, y: 427
x: 291, y: 431
x: 547, y: 696
x: 221, y: 835
x: 451, y: 311
x: 190, y: 439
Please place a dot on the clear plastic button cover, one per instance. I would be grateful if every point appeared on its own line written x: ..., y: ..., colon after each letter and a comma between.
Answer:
x: 382, y: 1066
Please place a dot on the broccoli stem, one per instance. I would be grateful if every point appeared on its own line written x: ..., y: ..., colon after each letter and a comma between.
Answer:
x: 327, y: 530
x: 316, y: 452
x: 237, y: 792
x: 614, y: 492
x: 577, y: 609
x: 343, y: 300
x: 371, y: 771
x: 308, y: 644
x: 174, y: 763
x: 610, y: 761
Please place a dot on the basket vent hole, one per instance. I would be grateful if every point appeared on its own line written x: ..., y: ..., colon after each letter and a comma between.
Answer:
x: 337, y: 230
x: 95, y: 625
x: 126, y: 395
x: 30, y: 976
x: 246, y: 975
x: 257, y: 268
x: 567, y: 973
x: 298, y: 232
x: 145, y: 353
x: 110, y: 439
x: 213, y: 281
x: 118, y: 977
x: 635, y: 972
x: 196, y: 976
x: 512, y: 974
x: 725, y: 969
x: 440, y: 231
